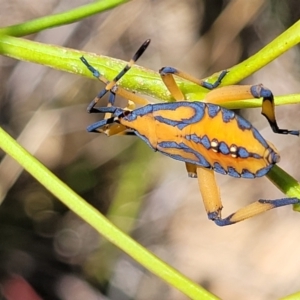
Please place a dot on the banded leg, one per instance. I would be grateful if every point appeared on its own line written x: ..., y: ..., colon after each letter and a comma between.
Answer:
x: 114, y: 89
x: 213, y: 205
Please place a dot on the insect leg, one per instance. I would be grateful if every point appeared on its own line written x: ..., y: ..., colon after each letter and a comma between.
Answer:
x: 109, y: 126
x: 210, y: 192
x: 111, y: 85
x: 167, y: 75
x: 117, y: 111
x: 191, y: 170
x: 268, y: 108
x: 254, y: 209
x: 244, y: 92
x: 212, y: 202
x: 113, y: 89
x: 96, y: 127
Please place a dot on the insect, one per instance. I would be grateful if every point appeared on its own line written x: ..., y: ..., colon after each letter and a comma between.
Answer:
x: 204, y: 135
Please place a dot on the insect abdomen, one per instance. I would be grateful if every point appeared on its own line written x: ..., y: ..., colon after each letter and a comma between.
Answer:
x: 206, y: 135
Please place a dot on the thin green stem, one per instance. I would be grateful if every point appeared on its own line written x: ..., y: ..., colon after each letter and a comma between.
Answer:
x: 60, y: 19
x: 66, y: 59
x: 138, y: 79
x: 286, y: 183
x: 295, y: 296
x: 128, y: 198
x: 281, y: 44
x: 93, y: 217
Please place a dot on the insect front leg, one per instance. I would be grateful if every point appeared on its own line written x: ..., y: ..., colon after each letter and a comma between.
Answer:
x: 111, y: 86
x: 108, y: 126
x: 113, y: 89
x: 213, y: 205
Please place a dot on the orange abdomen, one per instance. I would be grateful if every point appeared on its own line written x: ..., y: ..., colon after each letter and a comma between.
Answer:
x: 206, y: 135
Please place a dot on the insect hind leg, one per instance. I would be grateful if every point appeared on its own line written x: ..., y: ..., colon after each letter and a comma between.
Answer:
x: 252, y: 210
x: 268, y: 108
x: 213, y: 205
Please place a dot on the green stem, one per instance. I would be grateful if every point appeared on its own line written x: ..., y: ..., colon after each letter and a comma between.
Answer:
x: 281, y: 44
x: 60, y: 19
x: 66, y: 59
x: 128, y: 198
x: 139, y: 79
x: 295, y: 296
x: 93, y: 217
x: 286, y: 183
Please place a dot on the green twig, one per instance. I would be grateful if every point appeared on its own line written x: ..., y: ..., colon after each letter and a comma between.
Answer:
x: 138, y: 79
x: 281, y: 44
x: 286, y: 183
x: 93, y: 217
x: 295, y: 296
x: 60, y: 19
x: 124, y: 209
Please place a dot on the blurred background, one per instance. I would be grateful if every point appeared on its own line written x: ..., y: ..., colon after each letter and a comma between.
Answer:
x: 47, y: 252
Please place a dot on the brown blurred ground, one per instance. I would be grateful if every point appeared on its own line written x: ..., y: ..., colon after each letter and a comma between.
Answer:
x: 57, y: 253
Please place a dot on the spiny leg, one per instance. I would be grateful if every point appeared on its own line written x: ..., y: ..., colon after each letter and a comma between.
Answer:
x: 212, y: 201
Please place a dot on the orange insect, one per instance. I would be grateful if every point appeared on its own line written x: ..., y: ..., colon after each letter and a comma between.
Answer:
x: 206, y: 136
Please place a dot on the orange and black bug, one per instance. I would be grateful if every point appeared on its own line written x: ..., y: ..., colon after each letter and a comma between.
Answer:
x: 204, y: 135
